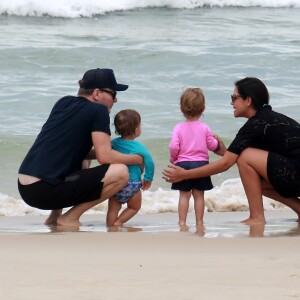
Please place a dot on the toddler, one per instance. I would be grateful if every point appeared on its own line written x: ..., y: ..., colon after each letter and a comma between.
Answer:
x: 128, y: 125
x: 189, y: 147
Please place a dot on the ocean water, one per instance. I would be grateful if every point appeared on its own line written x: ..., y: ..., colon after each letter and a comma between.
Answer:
x: 158, y: 47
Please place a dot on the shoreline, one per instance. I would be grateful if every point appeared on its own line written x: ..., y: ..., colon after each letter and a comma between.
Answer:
x: 280, y: 223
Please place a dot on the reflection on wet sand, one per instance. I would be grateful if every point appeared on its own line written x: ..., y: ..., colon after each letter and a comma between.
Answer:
x: 217, y: 225
x: 225, y: 230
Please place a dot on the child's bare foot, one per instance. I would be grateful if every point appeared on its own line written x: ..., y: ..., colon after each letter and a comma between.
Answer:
x: 184, y: 228
x: 200, y: 229
x: 54, y: 215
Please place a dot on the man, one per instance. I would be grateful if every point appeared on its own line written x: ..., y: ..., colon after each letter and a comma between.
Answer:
x: 51, y: 176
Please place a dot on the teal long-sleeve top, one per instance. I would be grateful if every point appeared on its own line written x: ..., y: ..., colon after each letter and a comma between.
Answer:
x: 135, y: 147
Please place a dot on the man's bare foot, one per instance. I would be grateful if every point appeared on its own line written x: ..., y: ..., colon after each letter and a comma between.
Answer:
x: 254, y: 221
x: 65, y: 220
x: 54, y: 215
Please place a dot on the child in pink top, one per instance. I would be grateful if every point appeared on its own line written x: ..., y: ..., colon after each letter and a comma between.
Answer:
x: 189, y: 147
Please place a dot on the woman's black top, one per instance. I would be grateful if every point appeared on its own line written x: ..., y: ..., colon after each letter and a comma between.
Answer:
x: 270, y: 131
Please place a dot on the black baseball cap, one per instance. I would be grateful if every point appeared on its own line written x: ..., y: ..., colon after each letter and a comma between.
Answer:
x: 101, y: 79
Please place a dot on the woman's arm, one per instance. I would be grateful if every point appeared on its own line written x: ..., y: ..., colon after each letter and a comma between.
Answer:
x: 176, y: 174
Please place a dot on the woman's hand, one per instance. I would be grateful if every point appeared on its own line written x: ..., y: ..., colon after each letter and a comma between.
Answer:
x: 221, y: 147
x: 174, y: 174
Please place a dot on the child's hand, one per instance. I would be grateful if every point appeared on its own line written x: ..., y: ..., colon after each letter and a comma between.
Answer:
x: 146, y: 185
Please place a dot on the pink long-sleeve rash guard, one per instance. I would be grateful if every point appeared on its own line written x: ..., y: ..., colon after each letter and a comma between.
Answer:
x: 191, y: 141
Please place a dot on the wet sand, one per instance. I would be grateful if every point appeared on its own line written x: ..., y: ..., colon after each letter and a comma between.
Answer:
x: 151, y: 259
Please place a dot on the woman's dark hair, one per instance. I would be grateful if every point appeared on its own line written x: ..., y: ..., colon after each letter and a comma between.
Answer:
x: 126, y: 121
x: 254, y: 88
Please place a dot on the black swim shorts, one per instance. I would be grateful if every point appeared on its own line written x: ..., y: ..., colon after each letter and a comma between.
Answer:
x: 283, y: 175
x: 82, y: 186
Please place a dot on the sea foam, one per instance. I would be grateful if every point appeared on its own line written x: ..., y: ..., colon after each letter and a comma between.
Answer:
x: 229, y: 196
x: 91, y: 8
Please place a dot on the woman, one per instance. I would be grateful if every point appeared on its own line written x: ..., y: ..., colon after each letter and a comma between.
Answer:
x: 266, y: 150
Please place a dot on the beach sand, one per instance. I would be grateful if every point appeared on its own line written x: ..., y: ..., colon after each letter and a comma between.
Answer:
x: 151, y: 259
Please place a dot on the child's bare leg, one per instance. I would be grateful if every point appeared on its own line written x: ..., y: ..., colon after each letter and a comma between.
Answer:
x: 54, y: 215
x: 114, y: 180
x: 198, y: 206
x: 133, y: 206
x: 114, y: 207
x: 183, y: 206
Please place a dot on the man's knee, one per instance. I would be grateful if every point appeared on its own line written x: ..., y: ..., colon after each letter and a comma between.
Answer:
x: 120, y: 172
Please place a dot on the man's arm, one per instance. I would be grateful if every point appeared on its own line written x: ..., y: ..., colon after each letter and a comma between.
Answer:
x: 106, y: 155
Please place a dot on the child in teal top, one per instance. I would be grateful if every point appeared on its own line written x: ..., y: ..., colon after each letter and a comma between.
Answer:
x: 128, y: 125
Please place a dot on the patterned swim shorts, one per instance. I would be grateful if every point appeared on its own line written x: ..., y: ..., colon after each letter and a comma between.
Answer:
x: 128, y: 191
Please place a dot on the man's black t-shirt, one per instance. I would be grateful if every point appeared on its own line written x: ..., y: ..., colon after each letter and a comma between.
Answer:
x: 270, y: 131
x: 65, y: 139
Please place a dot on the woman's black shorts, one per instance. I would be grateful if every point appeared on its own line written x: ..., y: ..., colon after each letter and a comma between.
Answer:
x: 201, y: 184
x: 283, y: 175
x: 82, y: 186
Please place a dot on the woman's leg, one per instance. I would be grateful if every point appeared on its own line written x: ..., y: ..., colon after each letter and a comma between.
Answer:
x: 114, y: 180
x: 252, y: 164
x: 183, y: 206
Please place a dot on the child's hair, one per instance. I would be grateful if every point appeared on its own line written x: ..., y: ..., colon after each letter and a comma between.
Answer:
x: 126, y: 121
x: 192, y: 102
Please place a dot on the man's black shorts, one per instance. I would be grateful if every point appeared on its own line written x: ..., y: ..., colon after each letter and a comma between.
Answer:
x: 82, y: 186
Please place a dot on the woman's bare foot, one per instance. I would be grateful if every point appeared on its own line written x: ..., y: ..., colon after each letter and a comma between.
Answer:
x: 254, y: 221
x: 118, y: 224
x: 54, y: 215
x: 257, y: 230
